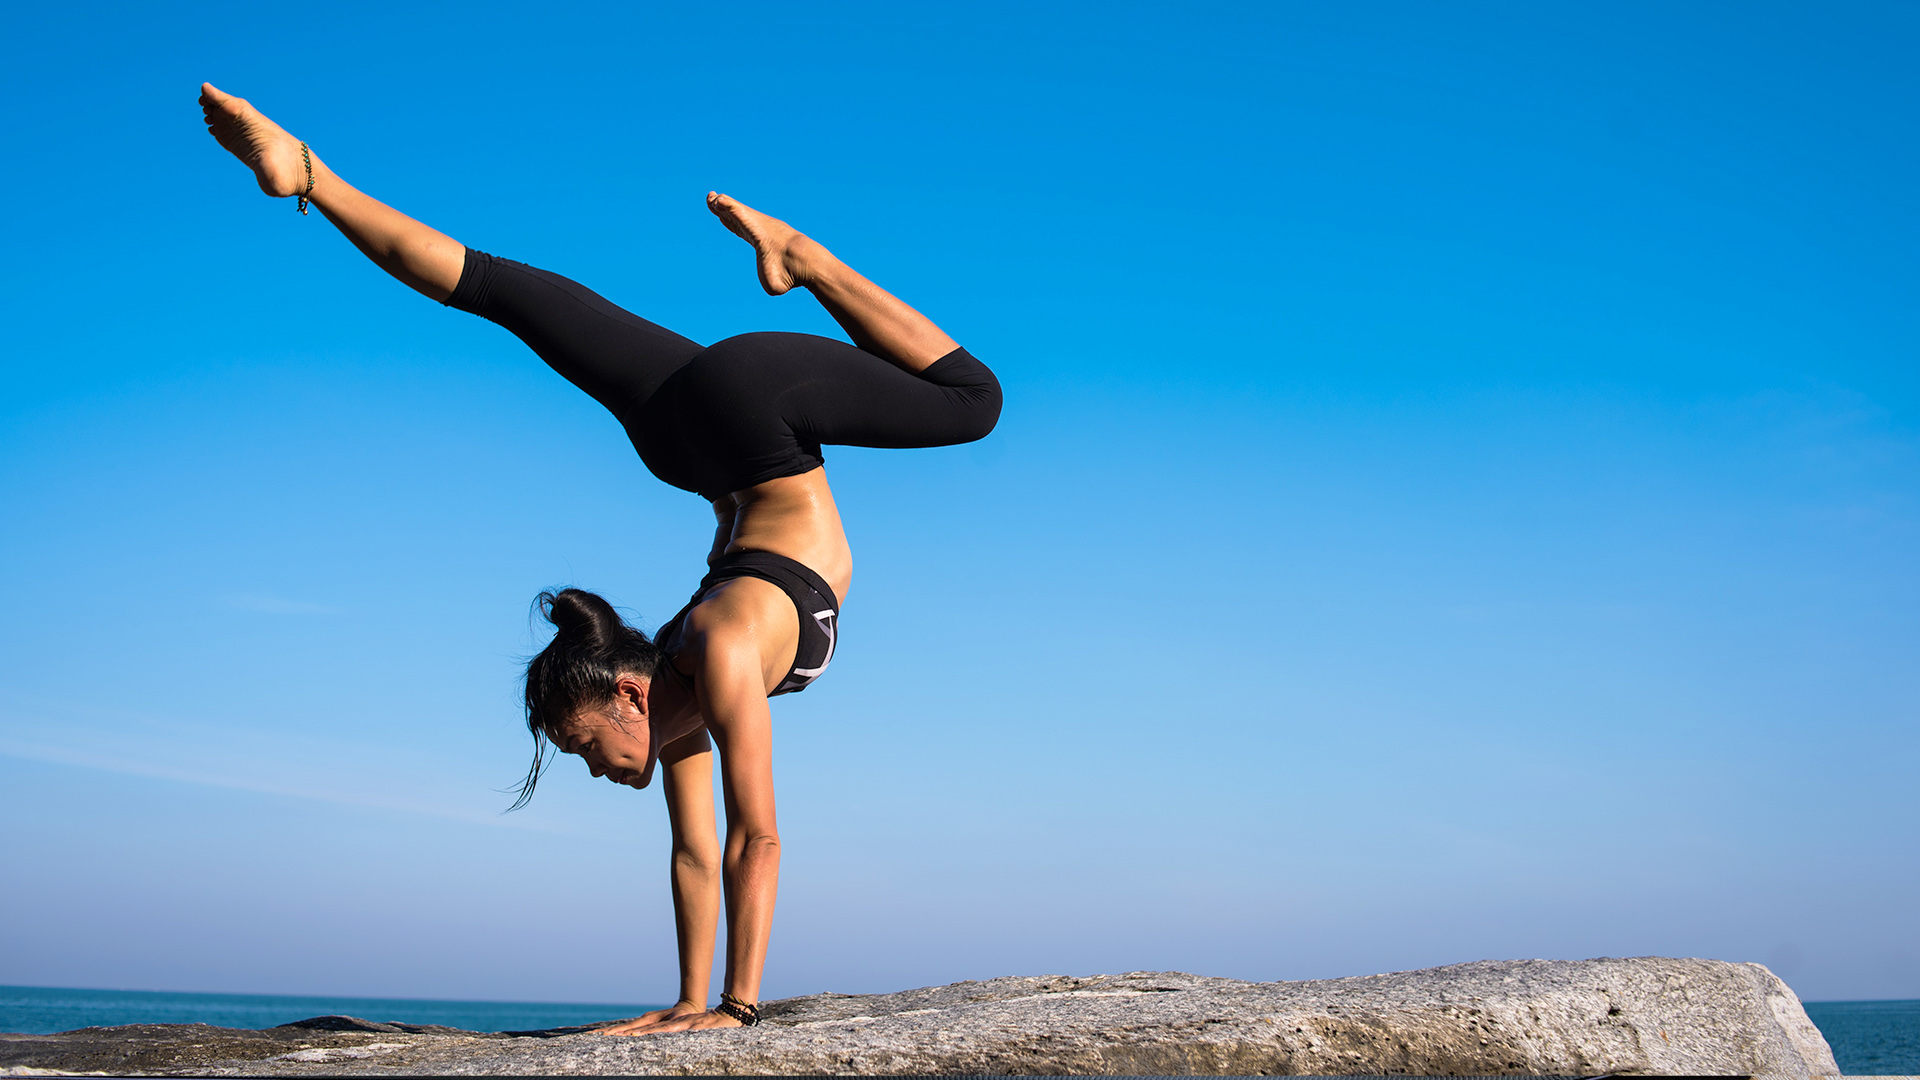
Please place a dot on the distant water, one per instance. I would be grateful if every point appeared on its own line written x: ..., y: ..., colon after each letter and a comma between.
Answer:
x: 40, y: 1010
x: 1871, y: 1038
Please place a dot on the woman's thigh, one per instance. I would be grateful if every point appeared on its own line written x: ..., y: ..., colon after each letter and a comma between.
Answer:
x: 819, y: 391
x: 757, y: 407
x: 616, y: 356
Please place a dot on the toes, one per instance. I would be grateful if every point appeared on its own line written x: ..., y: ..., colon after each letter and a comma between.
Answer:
x: 220, y: 99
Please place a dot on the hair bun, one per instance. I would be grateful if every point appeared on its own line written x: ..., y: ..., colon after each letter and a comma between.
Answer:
x: 577, y: 611
x: 591, y: 651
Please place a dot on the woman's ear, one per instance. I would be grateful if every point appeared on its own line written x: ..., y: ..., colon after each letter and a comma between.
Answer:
x: 634, y: 690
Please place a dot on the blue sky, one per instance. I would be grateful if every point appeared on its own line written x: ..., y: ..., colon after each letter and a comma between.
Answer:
x: 1456, y: 497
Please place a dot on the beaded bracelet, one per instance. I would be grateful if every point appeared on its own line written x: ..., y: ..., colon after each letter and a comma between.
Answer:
x: 306, y: 158
x: 747, y: 1014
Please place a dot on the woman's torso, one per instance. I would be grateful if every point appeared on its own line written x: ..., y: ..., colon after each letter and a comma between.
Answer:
x: 792, y: 516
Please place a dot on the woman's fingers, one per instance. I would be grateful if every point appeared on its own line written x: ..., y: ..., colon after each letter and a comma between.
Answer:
x: 645, y: 1023
x: 668, y: 1023
x: 631, y: 1027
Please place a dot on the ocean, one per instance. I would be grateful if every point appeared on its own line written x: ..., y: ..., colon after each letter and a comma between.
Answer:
x: 1871, y: 1038
x: 1868, y: 1037
x: 40, y: 1010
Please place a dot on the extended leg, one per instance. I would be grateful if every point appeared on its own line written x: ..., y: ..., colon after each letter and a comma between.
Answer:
x: 876, y: 320
x: 424, y: 258
x: 603, y: 349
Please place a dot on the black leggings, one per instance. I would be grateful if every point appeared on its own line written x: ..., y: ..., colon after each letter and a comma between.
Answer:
x: 719, y: 418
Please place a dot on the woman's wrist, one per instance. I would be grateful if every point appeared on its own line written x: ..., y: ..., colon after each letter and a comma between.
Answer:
x: 746, y: 1012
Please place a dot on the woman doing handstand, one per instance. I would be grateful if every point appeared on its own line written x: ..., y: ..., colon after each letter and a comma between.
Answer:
x: 740, y: 423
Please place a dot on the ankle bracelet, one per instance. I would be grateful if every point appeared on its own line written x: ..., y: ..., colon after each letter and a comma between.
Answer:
x: 746, y: 1013
x: 306, y: 158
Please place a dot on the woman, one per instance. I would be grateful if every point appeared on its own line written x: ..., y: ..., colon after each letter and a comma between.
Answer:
x: 741, y: 424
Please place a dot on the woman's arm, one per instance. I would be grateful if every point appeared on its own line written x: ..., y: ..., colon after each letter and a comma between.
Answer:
x: 728, y: 641
x: 733, y: 697
x: 696, y: 862
x: 686, y: 766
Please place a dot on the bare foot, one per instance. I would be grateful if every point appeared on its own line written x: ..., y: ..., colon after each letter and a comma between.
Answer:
x: 784, y: 252
x: 259, y: 143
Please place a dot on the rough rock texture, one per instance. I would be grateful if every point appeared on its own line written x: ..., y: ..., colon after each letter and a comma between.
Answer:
x: 1649, y: 1015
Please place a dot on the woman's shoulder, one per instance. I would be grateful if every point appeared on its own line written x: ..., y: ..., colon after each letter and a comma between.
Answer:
x: 739, y: 609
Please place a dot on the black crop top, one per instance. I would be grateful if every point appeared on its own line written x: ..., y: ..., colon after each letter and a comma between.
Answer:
x: 812, y: 597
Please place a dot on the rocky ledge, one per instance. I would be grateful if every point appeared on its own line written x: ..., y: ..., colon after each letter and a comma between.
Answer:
x: 1649, y: 1015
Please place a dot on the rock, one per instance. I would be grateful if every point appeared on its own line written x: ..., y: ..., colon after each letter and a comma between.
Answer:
x: 1649, y: 1015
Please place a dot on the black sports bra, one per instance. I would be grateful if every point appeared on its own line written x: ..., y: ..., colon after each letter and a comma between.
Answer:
x: 812, y: 597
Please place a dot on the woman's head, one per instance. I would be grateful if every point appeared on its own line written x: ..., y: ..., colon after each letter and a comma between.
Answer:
x: 587, y: 687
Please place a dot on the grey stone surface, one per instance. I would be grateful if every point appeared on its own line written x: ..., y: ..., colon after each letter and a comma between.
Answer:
x: 1648, y: 1015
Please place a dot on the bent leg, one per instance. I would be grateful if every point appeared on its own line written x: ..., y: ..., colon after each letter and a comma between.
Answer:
x: 875, y: 319
x: 826, y: 392
x: 955, y: 399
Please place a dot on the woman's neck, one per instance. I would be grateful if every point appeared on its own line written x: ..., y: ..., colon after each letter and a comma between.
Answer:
x: 673, y: 710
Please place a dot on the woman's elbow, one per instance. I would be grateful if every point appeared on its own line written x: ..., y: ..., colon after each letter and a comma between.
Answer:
x: 756, y: 846
x: 695, y: 859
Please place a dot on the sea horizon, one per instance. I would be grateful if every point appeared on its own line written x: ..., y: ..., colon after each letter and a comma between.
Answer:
x: 44, y: 1010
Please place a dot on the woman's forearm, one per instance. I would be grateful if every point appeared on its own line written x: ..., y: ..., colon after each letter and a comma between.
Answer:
x: 733, y: 698
x: 696, y: 922
x: 753, y: 880
x: 687, y: 777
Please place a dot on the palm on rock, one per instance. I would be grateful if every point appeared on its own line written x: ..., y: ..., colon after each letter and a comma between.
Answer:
x: 678, y: 1018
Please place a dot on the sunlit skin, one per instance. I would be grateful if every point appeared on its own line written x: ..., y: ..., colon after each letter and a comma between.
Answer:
x: 739, y: 642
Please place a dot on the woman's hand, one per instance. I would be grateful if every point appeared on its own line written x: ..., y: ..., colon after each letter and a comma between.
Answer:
x: 653, y: 1021
x: 682, y: 1017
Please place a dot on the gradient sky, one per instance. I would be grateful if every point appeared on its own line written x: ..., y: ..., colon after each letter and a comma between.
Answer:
x: 1457, y: 497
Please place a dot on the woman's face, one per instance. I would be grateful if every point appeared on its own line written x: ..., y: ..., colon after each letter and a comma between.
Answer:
x: 615, y: 740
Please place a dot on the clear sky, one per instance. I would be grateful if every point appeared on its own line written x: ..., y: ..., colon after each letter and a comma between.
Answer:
x: 1457, y: 496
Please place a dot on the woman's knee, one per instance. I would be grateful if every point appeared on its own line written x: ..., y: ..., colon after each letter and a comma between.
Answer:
x: 974, y: 391
x: 980, y: 408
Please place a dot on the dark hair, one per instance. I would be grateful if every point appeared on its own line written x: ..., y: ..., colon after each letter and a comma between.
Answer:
x: 592, y: 648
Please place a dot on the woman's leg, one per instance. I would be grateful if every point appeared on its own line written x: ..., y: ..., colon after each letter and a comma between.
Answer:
x: 760, y: 406
x: 425, y: 259
x: 609, y: 352
x: 903, y: 383
x: 876, y: 320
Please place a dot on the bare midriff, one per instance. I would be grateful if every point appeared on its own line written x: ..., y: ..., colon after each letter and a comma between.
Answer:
x: 793, y: 516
